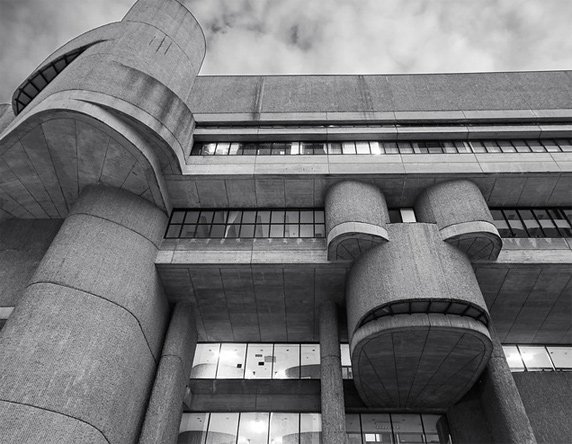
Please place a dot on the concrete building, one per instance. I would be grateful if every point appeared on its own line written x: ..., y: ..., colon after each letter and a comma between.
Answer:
x: 281, y: 259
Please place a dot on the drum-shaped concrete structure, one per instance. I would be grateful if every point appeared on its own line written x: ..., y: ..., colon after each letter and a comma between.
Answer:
x: 463, y: 217
x: 356, y: 215
x: 417, y: 321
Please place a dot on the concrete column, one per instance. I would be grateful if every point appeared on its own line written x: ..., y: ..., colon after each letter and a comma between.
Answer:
x: 501, y: 401
x: 332, y: 389
x: 163, y: 416
x: 79, y: 353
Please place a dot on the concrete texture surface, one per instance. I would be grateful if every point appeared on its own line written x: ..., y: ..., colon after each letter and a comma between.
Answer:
x: 467, y: 422
x: 463, y: 217
x: 331, y: 383
x: 83, y: 341
x: 501, y: 401
x: 547, y: 399
x: 165, y: 407
x: 418, y: 362
x: 356, y: 215
x: 416, y: 265
x: 23, y: 243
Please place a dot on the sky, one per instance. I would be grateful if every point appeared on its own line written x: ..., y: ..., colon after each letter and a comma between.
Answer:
x: 318, y: 36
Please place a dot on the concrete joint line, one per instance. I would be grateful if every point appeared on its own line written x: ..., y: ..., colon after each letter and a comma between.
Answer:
x: 118, y: 224
x: 173, y: 356
x: 57, y: 413
x: 105, y: 299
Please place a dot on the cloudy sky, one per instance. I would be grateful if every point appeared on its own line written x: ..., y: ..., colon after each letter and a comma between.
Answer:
x: 319, y: 36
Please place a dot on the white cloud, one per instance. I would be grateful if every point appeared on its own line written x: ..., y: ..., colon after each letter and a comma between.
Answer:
x: 320, y: 36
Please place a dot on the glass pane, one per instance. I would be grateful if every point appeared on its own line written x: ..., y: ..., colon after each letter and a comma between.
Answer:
x: 291, y: 231
x: 177, y: 217
x: 430, y: 425
x: 190, y: 231
x: 259, y: 361
x: 222, y: 148
x: 253, y: 428
x: 345, y: 355
x: 348, y: 148
x: 513, y: 357
x: 565, y: 145
x: 287, y: 361
x: 284, y: 428
x: 319, y: 216
x: 248, y: 217
x: 353, y: 429
x: 506, y: 146
x: 535, y: 146
x: 231, y: 361
x: 334, y: 148
x: 521, y: 146
x: 220, y: 217
x: 262, y: 231
x: 276, y: 230
x: 192, y: 217
x: 561, y: 357
x: 515, y: 223
x: 173, y: 231
x: 292, y: 217
x: 222, y: 428
x: 530, y: 223
x: 362, y: 147
x: 209, y: 149
x: 478, y: 147
x: 310, y: 361
x: 548, y: 227
x: 277, y: 217
x: 193, y: 428
x: 263, y: 217
x: 247, y: 231
x: 264, y: 149
x: 310, y: 428
x: 234, y: 149
x: 375, y: 148
x: 407, y: 428
x: 307, y: 217
x: 205, y: 361
x: 218, y: 231
x: 535, y: 358
x: 319, y: 231
x: 376, y: 428
x: 404, y: 148
x: 551, y: 146
x: 307, y: 230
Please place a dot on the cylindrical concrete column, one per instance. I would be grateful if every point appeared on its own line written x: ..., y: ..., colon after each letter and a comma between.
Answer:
x: 332, y: 389
x: 501, y: 401
x: 163, y: 416
x: 79, y: 353
x: 463, y: 217
x: 356, y: 215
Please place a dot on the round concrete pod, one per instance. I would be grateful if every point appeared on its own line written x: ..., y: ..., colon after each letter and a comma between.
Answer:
x: 463, y: 217
x: 356, y: 215
x: 416, y: 320
x: 418, y: 362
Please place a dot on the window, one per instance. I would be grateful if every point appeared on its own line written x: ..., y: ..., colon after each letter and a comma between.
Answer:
x: 533, y: 222
x: 376, y: 147
x: 538, y: 357
x: 237, y: 223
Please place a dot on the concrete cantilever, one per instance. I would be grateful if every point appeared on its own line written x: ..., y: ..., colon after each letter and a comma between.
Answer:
x: 132, y: 77
x: 356, y: 215
x: 417, y: 320
x: 463, y: 216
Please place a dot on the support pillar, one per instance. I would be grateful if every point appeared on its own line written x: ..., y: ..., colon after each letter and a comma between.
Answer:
x: 79, y: 353
x: 501, y: 401
x: 165, y: 409
x: 332, y: 389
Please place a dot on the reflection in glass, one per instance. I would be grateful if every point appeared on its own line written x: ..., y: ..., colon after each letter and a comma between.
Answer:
x: 205, y: 361
x: 376, y: 428
x: 310, y: 361
x: 259, y: 361
x: 513, y: 357
x: 353, y: 429
x: 287, y: 361
x: 535, y: 358
x: 193, y: 428
x: 284, y: 428
x: 253, y: 428
x: 310, y: 428
x: 231, y: 361
x: 561, y: 357
x: 407, y: 428
x: 430, y: 428
x: 222, y: 428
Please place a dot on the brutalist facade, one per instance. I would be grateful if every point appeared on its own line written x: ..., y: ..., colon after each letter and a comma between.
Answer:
x: 346, y: 254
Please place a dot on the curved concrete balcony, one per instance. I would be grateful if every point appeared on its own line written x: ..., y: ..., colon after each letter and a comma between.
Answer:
x: 108, y: 107
x: 356, y: 215
x: 417, y: 322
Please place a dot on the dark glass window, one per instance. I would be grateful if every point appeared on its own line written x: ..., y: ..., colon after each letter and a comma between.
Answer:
x: 533, y: 222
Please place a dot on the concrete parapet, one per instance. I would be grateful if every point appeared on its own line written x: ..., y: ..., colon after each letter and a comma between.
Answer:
x: 356, y: 215
x: 463, y: 217
x: 84, y: 340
